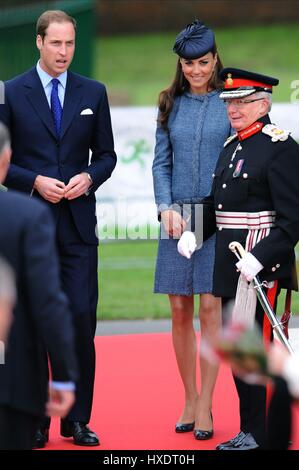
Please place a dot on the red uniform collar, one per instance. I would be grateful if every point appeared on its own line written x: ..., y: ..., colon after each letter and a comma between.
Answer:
x: 251, y: 130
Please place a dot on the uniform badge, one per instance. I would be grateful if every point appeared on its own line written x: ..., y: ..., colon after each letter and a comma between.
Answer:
x: 275, y: 133
x: 229, y: 80
x: 230, y: 139
x: 238, y: 168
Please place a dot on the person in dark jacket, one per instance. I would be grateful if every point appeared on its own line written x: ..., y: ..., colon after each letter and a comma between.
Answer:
x: 254, y: 201
x: 41, y: 319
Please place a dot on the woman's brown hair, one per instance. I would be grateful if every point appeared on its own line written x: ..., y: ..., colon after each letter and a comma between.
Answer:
x: 180, y: 85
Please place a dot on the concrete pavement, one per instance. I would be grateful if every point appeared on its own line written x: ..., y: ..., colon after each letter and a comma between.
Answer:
x: 126, y: 327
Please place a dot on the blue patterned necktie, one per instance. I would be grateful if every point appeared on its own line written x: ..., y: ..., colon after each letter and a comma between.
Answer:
x: 56, y: 106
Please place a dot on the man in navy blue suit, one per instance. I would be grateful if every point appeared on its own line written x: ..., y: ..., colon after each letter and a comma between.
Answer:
x: 56, y: 118
x: 41, y: 318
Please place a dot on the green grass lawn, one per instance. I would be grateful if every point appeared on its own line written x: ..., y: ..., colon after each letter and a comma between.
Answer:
x: 136, y: 68
x: 126, y: 282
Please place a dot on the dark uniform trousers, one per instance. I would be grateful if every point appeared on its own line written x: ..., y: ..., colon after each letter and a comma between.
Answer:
x: 279, y: 418
x: 254, y: 399
x: 78, y: 264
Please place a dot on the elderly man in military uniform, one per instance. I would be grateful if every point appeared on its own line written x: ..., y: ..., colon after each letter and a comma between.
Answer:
x: 255, y: 201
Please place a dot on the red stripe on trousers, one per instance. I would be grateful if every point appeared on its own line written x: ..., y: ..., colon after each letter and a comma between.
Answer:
x: 267, y: 333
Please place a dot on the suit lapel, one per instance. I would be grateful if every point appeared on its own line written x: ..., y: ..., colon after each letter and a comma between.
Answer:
x: 37, y: 97
x: 72, y: 99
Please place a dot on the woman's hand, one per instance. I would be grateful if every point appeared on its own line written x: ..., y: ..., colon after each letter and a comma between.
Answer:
x: 173, y: 223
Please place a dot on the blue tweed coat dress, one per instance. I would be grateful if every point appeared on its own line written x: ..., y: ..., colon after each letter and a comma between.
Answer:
x: 185, y: 158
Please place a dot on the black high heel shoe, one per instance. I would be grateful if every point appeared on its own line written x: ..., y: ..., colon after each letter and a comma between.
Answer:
x: 201, y: 435
x: 184, y: 427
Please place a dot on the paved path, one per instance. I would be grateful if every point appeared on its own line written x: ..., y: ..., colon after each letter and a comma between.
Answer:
x: 126, y: 327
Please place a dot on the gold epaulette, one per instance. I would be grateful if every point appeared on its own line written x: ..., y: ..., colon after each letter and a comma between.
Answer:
x: 275, y: 133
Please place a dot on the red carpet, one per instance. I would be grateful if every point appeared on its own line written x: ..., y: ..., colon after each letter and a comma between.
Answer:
x: 138, y: 398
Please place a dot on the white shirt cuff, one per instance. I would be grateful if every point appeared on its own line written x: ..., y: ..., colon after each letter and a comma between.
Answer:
x: 70, y: 386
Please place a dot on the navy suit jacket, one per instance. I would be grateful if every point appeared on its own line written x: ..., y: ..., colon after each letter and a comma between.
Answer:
x: 41, y: 316
x: 37, y: 150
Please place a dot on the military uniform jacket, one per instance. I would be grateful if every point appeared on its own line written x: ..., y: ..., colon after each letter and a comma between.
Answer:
x: 262, y: 175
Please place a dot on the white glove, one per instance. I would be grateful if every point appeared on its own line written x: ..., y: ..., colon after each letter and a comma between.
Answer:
x: 187, y: 244
x: 249, y: 266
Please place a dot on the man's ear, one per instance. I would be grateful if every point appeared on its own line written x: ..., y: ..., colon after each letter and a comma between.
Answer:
x: 264, y: 107
x: 39, y: 42
x: 9, y: 152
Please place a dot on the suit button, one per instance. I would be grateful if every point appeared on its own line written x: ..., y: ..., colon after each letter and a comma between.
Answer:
x: 219, y: 228
x: 224, y: 185
x: 219, y: 206
x: 230, y: 165
x: 278, y: 266
x: 273, y: 269
x: 245, y: 175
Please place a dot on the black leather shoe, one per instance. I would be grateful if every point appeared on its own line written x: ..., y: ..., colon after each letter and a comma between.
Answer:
x: 243, y: 441
x: 41, y: 438
x: 202, y: 435
x: 81, y: 434
x: 230, y: 442
x: 184, y: 427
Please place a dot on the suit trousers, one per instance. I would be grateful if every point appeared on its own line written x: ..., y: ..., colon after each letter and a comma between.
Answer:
x: 17, y: 429
x: 253, y: 398
x: 78, y: 264
x: 79, y: 277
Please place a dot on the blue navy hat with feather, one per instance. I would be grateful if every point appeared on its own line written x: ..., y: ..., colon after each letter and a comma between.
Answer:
x: 194, y: 41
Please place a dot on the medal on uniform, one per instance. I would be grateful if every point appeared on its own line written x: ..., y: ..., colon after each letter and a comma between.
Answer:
x: 238, y: 168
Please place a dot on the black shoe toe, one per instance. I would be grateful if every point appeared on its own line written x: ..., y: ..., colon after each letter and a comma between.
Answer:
x: 201, y: 435
x: 184, y: 427
x: 80, y: 432
x: 41, y: 438
x: 243, y: 441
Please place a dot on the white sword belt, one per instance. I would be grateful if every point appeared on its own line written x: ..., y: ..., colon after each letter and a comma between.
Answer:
x: 245, y: 220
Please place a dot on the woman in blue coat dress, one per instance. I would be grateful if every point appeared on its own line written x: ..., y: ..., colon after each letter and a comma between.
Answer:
x: 192, y: 128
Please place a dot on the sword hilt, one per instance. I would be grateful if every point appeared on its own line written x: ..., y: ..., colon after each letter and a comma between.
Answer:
x: 237, y: 249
